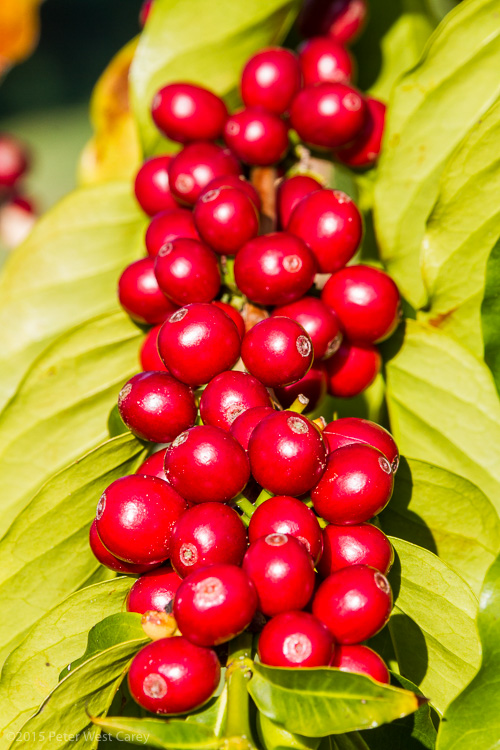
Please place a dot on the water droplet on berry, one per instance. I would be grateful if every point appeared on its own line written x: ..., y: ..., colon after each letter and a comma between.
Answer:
x: 303, y: 346
x: 384, y: 464
x: 276, y: 540
x: 297, y: 425
x: 178, y: 315
x: 154, y: 686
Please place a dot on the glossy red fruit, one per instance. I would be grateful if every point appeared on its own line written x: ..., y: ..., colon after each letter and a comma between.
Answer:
x: 244, y: 425
x: 312, y: 386
x: 352, y: 369
x: 282, y: 571
x: 283, y: 514
x: 156, y: 407
x: 328, y: 115
x: 354, y: 603
x: 151, y: 186
x: 140, y: 296
x: 173, y: 676
x: 295, y: 639
x: 13, y: 160
x: 270, y: 80
x: 366, y: 302
x: 319, y: 321
x: 214, y: 604
x: 353, y: 430
x: 362, y: 660
x: 256, y: 136
x: 233, y: 314
x: 207, y: 464
x: 323, y: 60
x: 274, y: 269
x: 277, y: 351
x: 198, y: 342
x: 356, y: 485
x: 206, y: 534
x: 196, y: 166
x: 287, y: 454
x: 363, y: 544
x: 291, y: 191
x: 230, y: 394
x: 226, y: 218
x: 342, y: 20
x: 235, y: 181
x: 187, y: 271
x: 135, y: 517
x: 168, y: 226
x: 154, y: 591
x: 365, y: 149
x: 329, y: 222
x: 184, y: 112
x: 110, y: 561
x: 17, y: 218
x: 144, y: 12
x: 154, y: 466
x: 148, y: 355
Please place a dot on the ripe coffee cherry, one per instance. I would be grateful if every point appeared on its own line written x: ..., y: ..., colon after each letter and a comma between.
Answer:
x: 198, y: 342
x: 214, y: 604
x: 295, y: 639
x: 354, y: 603
x: 355, y: 545
x: 151, y: 186
x: 135, y: 517
x: 13, y: 160
x: 366, y: 301
x: 110, y: 561
x: 282, y: 571
x: 173, y: 676
x: 144, y: 12
x: 365, y: 149
x: 154, y: 466
x: 230, y: 394
x: 226, y: 218
x: 244, y: 425
x: 184, y: 112
x: 356, y: 485
x: 154, y: 591
x: 323, y: 60
x: 206, y: 534
x: 149, y: 357
x: 291, y: 191
x: 140, y: 296
x: 287, y: 454
x: 195, y: 166
x: 330, y: 224
x: 319, y: 321
x: 233, y: 314
x: 342, y: 20
x: 352, y: 369
x: 235, y: 181
x: 270, y: 80
x: 256, y: 136
x: 352, y: 430
x: 156, y: 407
x: 275, y: 268
x: 187, y: 271
x: 312, y: 386
x: 17, y: 218
x: 207, y: 464
x: 277, y: 351
x: 362, y: 660
x: 328, y: 115
x: 168, y: 226
x: 283, y: 514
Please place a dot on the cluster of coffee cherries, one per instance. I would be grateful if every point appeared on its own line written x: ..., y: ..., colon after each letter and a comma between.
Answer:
x: 17, y: 213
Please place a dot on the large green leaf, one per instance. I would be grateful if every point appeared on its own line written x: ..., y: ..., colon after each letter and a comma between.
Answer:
x: 473, y: 719
x: 169, y: 735
x: 227, y: 33
x: 490, y: 314
x: 432, y: 109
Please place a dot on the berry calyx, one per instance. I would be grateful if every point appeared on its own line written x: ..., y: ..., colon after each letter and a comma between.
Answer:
x: 184, y: 112
x: 139, y: 293
x: 148, y: 355
x: 230, y: 394
x: 154, y: 591
x: 361, y: 660
x: 352, y: 369
x: 362, y: 544
x: 151, y: 186
x: 270, y: 80
x: 353, y: 430
x: 295, y: 639
x: 320, y: 322
x: 323, y: 60
x: 187, y: 271
x: 196, y: 166
x: 328, y: 115
x: 110, y: 561
x: 256, y: 136
x: 365, y: 149
x: 244, y: 425
x: 277, y: 351
x: 283, y: 514
x: 168, y: 226
x: 226, y: 218
x: 290, y: 192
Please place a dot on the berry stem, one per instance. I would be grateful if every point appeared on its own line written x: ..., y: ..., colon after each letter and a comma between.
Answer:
x: 239, y: 664
x: 264, y: 495
x: 246, y: 506
x: 264, y: 181
x: 299, y: 404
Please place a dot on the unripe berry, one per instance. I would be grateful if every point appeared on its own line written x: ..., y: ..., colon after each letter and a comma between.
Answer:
x: 151, y: 186
x: 154, y: 591
x: 110, y: 561
x: 154, y: 466
x: 168, y: 226
x: 184, y: 112
x: 277, y: 351
x: 323, y: 60
x: 244, y: 425
x: 148, y: 355
x: 328, y: 115
x: 140, y: 296
x: 291, y: 191
x: 235, y: 181
x: 256, y: 136
x: 230, y: 394
x: 283, y: 514
x: 13, y: 160
x: 196, y: 166
x: 270, y: 80
x: 320, y: 322
x: 235, y: 316
x: 226, y: 218
x: 353, y: 430
x: 361, y: 660
x: 187, y: 271
x: 363, y: 544
x: 352, y: 369
x: 365, y: 149
x: 312, y: 386
x: 295, y: 639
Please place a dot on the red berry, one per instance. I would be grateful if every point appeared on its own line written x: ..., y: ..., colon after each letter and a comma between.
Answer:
x: 156, y: 407
x: 270, y: 80
x: 233, y: 314
x: 323, y: 60
x: 173, y: 676
x: 187, y: 271
x: 139, y: 293
x: 328, y: 115
x: 290, y: 192
x: 352, y: 369
x: 154, y: 466
x: 295, y: 639
x: 226, y: 218
x: 354, y: 603
x: 144, y: 12
x: 154, y: 591
x: 244, y: 425
x: 110, y: 561
x: 168, y: 226
x: 230, y: 394
x: 206, y: 534
x: 198, y: 342
x: 196, y: 166
x: 319, y: 321
x: 151, y: 186
x: 277, y: 351
x: 274, y: 269
x: 353, y: 430
x: 282, y: 571
x: 365, y: 149
x: 235, y: 181
x: 362, y: 660
x: 13, y: 160
x: 184, y: 112
x: 357, y: 484
x: 363, y: 544
x: 283, y: 514
x: 215, y: 604
x: 343, y: 20
x: 330, y: 224
x: 149, y: 357
x: 287, y: 454
x: 312, y: 386
x: 135, y: 517
x: 256, y: 136
x: 205, y: 464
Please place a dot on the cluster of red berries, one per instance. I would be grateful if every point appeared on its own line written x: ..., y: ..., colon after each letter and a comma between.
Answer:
x: 17, y: 213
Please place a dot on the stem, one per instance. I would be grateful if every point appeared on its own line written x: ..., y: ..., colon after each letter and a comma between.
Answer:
x: 264, y: 495
x: 238, y: 731
x: 299, y: 404
x: 246, y: 506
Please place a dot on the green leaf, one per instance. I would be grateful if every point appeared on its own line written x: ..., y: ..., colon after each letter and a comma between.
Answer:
x: 350, y: 741
x: 447, y: 515
x: 432, y: 108
x: 318, y: 702
x: 227, y: 34
x: 32, y: 669
x: 473, y: 719
x: 490, y: 314
x: 275, y: 737
x: 433, y: 624
x: 168, y: 734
